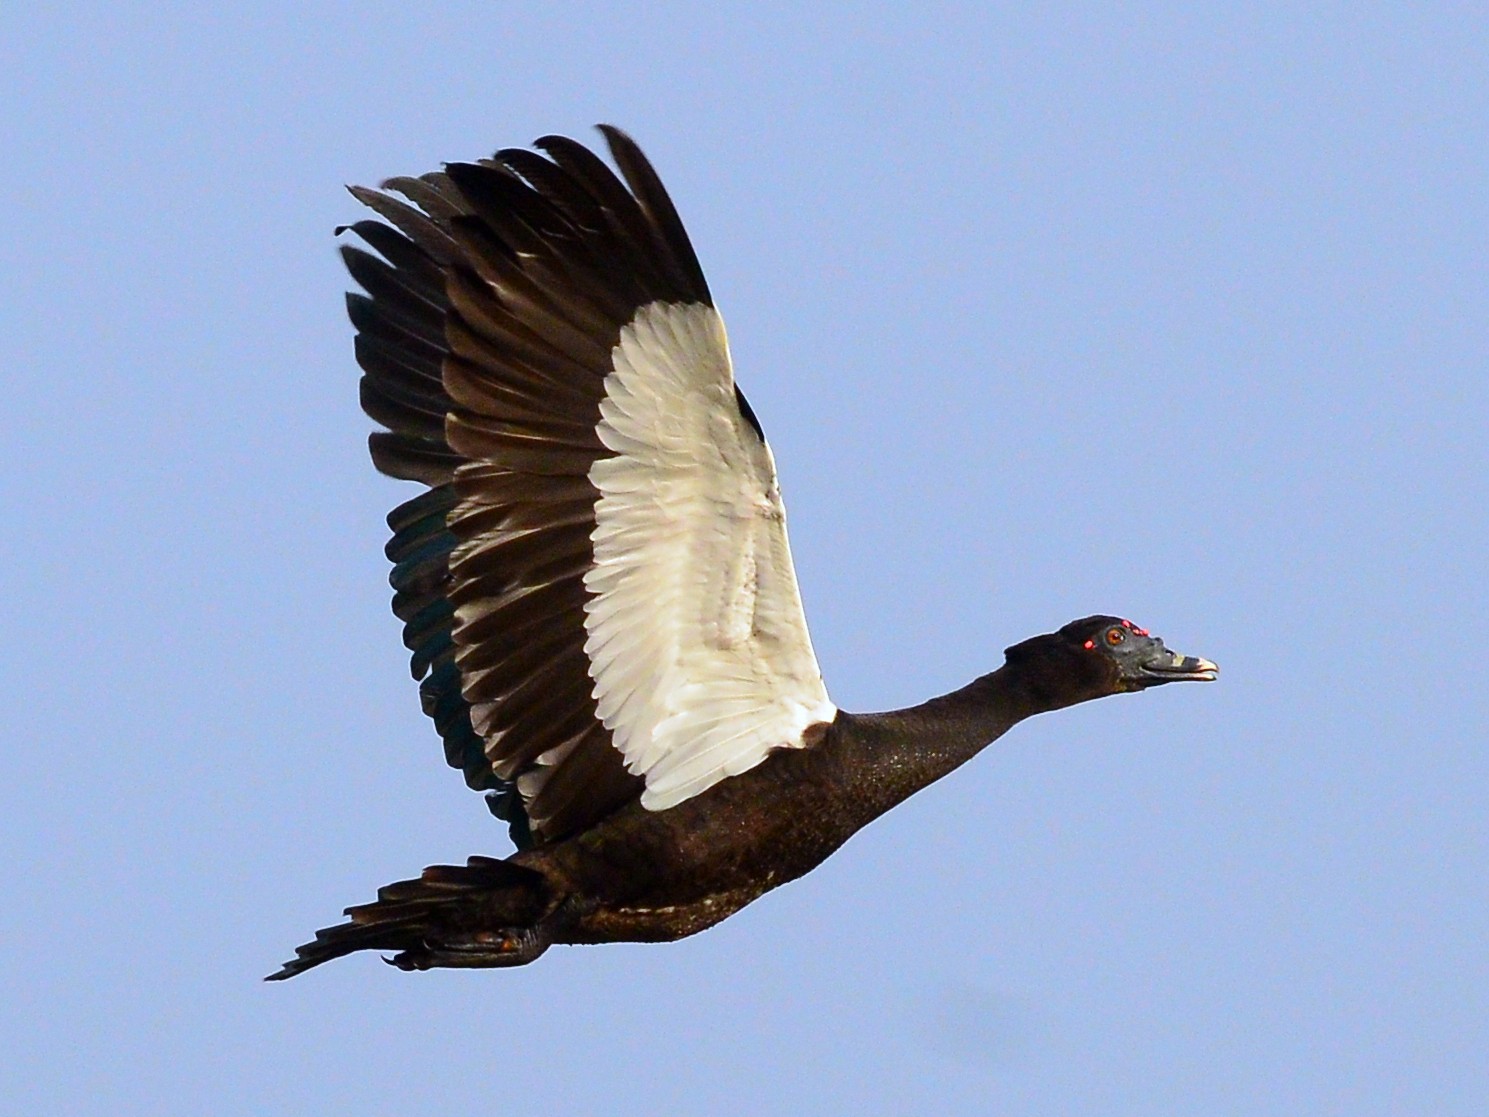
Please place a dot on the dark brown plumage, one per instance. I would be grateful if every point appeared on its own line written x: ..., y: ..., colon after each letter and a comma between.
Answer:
x: 518, y: 316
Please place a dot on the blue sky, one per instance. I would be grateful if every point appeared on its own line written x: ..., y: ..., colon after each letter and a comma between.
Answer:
x: 1173, y: 312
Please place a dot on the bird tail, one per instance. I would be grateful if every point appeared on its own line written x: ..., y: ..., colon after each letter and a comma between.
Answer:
x: 486, y: 912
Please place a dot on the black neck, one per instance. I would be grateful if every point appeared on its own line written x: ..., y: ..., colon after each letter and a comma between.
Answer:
x: 897, y: 753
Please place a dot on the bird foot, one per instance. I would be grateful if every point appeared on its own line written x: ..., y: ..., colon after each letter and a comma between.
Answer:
x: 510, y: 946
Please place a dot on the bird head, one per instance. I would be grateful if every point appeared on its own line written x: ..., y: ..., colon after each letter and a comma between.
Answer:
x: 1102, y: 655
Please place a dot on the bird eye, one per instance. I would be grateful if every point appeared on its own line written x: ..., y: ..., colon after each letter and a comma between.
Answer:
x: 1115, y: 636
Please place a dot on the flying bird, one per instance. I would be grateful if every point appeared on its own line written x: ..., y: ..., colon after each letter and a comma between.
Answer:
x: 595, y: 582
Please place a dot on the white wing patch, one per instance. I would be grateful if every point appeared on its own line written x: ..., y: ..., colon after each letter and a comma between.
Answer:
x: 696, y: 637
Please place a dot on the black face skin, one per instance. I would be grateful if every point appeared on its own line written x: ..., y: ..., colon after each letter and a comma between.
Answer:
x: 1104, y: 655
x: 1140, y: 658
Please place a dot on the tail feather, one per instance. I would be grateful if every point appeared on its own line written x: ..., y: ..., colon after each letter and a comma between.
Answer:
x: 413, y: 916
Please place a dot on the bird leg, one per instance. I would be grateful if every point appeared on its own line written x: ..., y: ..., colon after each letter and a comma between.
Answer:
x: 509, y: 946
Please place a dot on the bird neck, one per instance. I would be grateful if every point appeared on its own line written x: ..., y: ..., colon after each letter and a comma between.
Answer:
x: 895, y: 754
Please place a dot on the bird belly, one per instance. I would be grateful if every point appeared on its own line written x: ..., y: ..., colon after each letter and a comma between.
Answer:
x: 644, y: 876
x: 660, y: 922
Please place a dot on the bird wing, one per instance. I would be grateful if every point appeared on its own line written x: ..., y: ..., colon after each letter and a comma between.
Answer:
x: 597, y: 587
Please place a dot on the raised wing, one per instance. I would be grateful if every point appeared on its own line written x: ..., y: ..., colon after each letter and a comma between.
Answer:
x: 597, y: 589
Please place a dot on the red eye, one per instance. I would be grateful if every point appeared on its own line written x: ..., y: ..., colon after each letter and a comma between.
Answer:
x: 1115, y: 636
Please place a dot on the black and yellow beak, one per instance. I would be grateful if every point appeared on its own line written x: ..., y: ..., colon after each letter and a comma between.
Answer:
x: 1159, y: 665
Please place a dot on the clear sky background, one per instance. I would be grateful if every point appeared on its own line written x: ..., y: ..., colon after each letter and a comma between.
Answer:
x: 1176, y: 312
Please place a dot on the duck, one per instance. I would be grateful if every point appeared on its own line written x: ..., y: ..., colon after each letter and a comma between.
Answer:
x: 595, y: 581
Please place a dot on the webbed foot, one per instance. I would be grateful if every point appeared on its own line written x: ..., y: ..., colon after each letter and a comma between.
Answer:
x: 511, y: 946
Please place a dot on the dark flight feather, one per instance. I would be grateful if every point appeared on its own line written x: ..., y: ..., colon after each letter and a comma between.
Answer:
x: 489, y: 312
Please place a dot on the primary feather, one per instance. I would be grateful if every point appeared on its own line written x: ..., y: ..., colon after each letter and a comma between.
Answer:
x: 598, y: 585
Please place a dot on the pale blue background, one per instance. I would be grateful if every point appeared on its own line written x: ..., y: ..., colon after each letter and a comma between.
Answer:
x: 1176, y: 312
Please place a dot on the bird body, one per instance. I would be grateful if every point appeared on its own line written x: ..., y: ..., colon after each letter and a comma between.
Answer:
x: 597, y: 587
x: 655, y: 876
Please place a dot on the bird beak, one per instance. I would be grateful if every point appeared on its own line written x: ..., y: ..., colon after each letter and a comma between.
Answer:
x: 1164, y: 666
